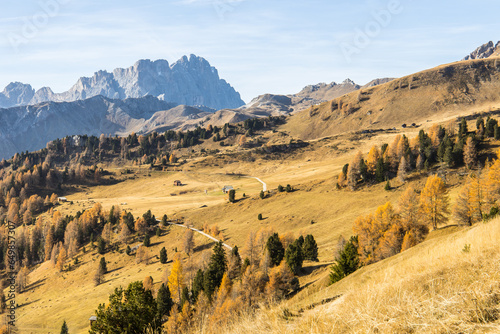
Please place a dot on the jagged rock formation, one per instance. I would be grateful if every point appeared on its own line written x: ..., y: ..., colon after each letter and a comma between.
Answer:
x: 189, y: 81
x: 16, y: 93
x: 485, y: 51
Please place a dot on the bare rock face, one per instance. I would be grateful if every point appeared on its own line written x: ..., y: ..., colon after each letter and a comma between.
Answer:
x: 29, y: 128
x: 16, y: 94
x: 484, y: 51
x: 189, y: 81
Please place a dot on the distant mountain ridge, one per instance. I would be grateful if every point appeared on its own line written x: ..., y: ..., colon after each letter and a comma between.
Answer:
x: 31, y: 127
x: 485, y: 51
x: 189, y: 81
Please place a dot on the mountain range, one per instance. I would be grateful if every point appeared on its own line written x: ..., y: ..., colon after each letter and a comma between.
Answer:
x: 189, y: 81
x: 156, y: 96
x: 31, y: 127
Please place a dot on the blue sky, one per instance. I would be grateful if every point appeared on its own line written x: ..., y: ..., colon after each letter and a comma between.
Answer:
x: 272, y: 46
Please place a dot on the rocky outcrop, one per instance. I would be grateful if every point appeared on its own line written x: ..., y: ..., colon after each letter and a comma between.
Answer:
x: 189, y: 81
x: 485, y: 51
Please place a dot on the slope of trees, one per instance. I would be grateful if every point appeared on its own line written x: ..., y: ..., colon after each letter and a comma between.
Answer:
x: 402, y: 156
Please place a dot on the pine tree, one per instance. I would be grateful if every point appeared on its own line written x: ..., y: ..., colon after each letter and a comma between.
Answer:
x: 310, y: 248
x: 103, y: 266
x: 64, y: 328
x: 294, y: 257
x: 141, y: 314
x: 101, y: 246
x: 164, y: 220
x: 462, y: 128
x: 347, y: 262
x: 380, y: 170
x: 163, y: 256
x: 262, y: 195
x: 197, y: 284
x: 496, y: 132
x: 216, y: 269
x: 232, y: 193
x: 147, y: 241
x: 275, y: 248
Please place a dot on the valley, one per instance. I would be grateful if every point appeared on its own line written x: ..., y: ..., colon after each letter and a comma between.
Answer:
x: 348, y: 184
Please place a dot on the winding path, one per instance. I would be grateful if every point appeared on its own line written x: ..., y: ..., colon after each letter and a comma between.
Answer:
x: 264, y: 185
x: 201, y: 232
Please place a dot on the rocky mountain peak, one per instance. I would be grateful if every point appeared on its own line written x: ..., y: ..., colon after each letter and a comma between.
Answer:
x: 349, y: 82
x: 16, y: 93
x: 189, y: 81
x: 485, y: 51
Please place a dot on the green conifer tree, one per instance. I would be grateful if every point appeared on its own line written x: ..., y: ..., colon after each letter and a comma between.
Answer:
x: 275, y: 248
x: 347, y: 262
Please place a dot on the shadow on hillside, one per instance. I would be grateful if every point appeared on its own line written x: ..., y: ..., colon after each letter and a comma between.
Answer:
x: 204, y: 247
x: 155, y: 243
x: 309, y: 270
x: 35, y: 285
x: 113, y: 270
x: 26, y: 304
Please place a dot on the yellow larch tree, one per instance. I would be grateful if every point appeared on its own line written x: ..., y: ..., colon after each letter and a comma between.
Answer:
x: 372, y: 159
x: 434, y: 202
x: 176, y: 280
x: 61, y: 258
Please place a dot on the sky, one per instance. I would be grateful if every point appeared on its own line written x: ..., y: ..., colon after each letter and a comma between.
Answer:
x: 272, y: 46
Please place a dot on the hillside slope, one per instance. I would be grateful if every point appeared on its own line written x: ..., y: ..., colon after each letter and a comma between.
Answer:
x: 446, y: 91
x: 439, y: 286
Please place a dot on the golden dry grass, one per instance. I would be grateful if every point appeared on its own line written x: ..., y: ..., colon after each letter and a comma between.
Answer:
x: 433, y: 95
x: 312, y: 171
x: 435, y: 287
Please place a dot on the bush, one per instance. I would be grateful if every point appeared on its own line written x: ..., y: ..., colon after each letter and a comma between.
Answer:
x: 259, y: 217
x: 262, y: 194
x: 280, y: 188
x: 387, y: 186
x: 289, y: 188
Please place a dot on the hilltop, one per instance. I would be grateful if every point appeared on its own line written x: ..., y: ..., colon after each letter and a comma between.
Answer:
x: 441, y: 93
